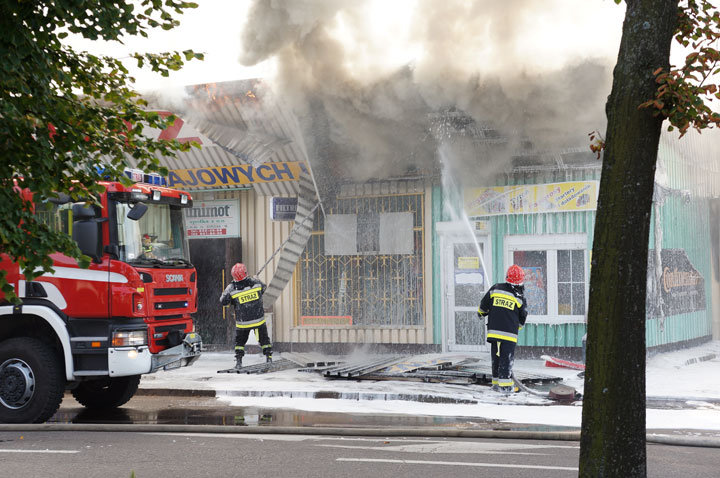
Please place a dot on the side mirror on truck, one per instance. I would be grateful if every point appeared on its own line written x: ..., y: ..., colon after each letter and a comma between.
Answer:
x: 59, y: 198
x: 137, y: 211
x: 86, y: 231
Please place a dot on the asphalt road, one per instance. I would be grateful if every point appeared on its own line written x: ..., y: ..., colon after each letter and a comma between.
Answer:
x: 118, y: 454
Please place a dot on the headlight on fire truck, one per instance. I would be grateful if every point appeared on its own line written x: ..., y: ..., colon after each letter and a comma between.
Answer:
x: 129, y: 338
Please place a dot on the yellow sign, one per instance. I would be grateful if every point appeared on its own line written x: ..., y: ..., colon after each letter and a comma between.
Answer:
x: 500, y: 302
x: 532, y: 198
x: 468, y: 263
x: 482, y: 226
x: 247, y: 296
x: 237, y: 175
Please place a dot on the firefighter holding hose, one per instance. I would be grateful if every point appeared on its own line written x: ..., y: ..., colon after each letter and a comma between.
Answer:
x: 245, y: 294
x: 506, y: 310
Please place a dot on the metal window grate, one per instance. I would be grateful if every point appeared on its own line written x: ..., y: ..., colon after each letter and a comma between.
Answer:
x: 373, y: 289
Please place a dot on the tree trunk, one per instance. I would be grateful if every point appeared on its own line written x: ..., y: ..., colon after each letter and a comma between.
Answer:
x: 613, y: 421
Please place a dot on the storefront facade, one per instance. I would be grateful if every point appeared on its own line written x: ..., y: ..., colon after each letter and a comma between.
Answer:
x: 401, y: 264
x: 542, y: 218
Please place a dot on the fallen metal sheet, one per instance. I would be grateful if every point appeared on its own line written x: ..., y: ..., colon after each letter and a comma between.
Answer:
x: 429, y: 376
x: 357, y: 369
x: 418, y: 363
x: 310, y: 360
x: 265, y: 367
x: 522, y: 375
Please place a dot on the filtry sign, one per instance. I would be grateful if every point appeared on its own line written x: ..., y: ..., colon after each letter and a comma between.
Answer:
x: 237, y: 175
x: 283, y: 209
x: 213, y: 219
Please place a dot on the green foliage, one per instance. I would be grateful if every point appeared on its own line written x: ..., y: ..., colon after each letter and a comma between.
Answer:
x: 69, y: 118
x: 685, y: 93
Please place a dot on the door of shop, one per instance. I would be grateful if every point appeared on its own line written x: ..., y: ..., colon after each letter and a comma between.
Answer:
x: 464, y: 284
x: 213, y: 259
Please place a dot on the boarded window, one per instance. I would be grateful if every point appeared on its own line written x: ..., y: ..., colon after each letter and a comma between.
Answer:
x: 364, y: 263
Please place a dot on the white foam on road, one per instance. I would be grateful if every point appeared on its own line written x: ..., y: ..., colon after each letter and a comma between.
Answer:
x: 669, y: 375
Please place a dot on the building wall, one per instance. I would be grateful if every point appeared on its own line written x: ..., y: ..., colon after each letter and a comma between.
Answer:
x: 691, y: 176
x: 684, y: 223
x: 538, y: 334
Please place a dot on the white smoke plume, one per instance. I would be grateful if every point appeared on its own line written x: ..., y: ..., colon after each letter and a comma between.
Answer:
x: 367, y: 77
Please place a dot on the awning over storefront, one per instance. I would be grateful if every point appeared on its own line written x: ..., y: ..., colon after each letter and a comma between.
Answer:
x: 247, y: 137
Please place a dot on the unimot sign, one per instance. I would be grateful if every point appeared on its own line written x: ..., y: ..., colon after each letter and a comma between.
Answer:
x: 237, y: 175
x: 213, y: 219
x: 208, y: 211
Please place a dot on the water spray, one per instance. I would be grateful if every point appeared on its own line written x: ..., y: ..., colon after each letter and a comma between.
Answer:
x: 312, y: 211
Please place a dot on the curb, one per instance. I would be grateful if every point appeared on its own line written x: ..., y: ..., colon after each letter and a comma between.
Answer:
x: 175, y: 392
x: 651, y: 401
x: 353, y: 396
x: 272, y: 430
x: 706, y: 442
x: 316, y: 394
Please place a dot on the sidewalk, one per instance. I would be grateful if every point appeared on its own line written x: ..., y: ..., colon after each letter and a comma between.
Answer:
x: 683, y: 391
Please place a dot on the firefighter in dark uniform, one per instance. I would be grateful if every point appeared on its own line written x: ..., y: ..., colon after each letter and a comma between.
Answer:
x: 245, y: 294
x: 506, y: 310
x: 147, y: 247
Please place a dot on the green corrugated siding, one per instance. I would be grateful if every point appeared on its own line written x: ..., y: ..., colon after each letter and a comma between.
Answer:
x: 581, y: 222
x: 685, y: 225
x: 684, y: 222
x: 552, y: 335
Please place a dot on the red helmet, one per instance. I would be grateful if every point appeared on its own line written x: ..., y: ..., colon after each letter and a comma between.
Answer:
x: 239, y: 271
x: 515, y: 275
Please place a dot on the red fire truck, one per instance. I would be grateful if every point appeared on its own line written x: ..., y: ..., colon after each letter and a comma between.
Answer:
x: 95, y: 331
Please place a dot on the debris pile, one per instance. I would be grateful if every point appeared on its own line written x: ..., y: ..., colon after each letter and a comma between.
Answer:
x: 451, y: 370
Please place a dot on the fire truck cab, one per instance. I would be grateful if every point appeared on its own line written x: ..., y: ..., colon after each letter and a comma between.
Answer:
x: 95, y: 331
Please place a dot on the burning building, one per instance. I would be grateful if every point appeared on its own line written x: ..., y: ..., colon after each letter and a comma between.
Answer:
x: 391, y: 247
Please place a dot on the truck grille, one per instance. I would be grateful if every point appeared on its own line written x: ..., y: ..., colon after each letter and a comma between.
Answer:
x: 171, y: 305
x: 172, y: 291
x: 168, y: 328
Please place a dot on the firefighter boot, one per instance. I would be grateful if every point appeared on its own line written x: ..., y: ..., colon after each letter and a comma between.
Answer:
x: 267, y: 351
x: 238, y: 362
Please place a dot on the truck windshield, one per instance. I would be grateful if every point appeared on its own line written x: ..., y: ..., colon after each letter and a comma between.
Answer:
x: 156, y: 238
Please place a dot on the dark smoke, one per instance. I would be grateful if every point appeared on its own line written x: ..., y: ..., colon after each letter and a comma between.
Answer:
x: 362, y: 123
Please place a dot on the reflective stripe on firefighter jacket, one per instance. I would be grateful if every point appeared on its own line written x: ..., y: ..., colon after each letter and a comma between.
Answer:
x: 246, y: 298
x: 506, y: 309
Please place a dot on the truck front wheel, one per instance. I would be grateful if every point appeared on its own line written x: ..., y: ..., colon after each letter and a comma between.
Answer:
x: 31, y: 381
x: 109, y: 392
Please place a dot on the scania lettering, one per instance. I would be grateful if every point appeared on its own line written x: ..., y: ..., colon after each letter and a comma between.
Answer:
x: 95, y: 331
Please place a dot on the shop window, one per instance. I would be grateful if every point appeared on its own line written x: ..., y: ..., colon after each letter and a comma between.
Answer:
x: 369, y: 233
x: 555, y: 274
x: 534, y: 263
x: 571, y: 282
x: 363, y: 264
